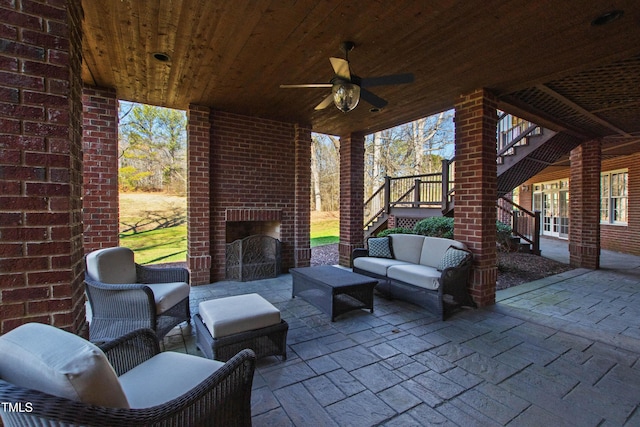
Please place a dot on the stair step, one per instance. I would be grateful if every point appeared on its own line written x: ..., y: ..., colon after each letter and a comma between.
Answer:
x: 524, y: 247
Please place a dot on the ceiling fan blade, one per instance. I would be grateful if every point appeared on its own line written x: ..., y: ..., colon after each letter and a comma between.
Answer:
x: 325, y: 103
x: 341, y: 68
x: 306, y: 85
x: 395, y: 79
x: 372, y: 99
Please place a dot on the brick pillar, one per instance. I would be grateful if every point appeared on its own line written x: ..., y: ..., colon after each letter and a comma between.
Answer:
x: 198, y: 210
x: 302, y: 226
x: 584, y: 206
x: 100, y: 163
x: 41, y: 166
x: 351, y: 196
x: 476, y: 189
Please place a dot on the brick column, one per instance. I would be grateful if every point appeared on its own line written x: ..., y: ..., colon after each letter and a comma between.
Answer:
x: 41, y: 251
x: 584, y: 206
x: 198, y: 210
x: 476, y: 189
x: 100, y: 168
x: 351, y: 196
x: 302, y: 226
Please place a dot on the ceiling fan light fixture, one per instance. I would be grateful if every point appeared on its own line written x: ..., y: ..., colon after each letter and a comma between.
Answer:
x: 607, y: 18
x: 346, y: 96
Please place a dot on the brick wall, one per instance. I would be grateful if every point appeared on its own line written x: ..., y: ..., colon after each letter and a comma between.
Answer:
x: 253, y: 166
x: 584, y: 205
x: 41, y: 165
x: 198, y: 209
x: 618, y: 238
x: 476, y: 189
x: 302, y: 217
x: 100, y: 164
x: 351, y: 196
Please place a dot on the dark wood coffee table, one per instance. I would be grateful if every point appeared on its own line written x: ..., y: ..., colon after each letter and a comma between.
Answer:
x: 333, y: 290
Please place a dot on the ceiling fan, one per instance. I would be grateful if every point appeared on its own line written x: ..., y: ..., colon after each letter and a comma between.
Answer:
x: 347, y: 89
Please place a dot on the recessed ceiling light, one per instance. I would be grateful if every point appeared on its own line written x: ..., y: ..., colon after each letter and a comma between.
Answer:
x: 607, y: 17
x: 161, y: 56
x: 374, y: 110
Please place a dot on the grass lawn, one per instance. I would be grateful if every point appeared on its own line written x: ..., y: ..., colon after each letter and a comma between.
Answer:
x: 325, y: 228
x: 156, y: 246
x: 170, y: 244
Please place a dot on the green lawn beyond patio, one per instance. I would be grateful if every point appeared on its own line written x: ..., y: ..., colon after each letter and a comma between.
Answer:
x: 169, y: 244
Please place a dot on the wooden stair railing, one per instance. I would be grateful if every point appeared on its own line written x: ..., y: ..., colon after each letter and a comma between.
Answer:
x: 437, y: 190
x: 434, y: 190
x: 524, y: 223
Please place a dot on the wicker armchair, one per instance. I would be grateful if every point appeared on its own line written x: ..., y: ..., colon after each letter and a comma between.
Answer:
x: 223, y: 398
x: 125, y: 296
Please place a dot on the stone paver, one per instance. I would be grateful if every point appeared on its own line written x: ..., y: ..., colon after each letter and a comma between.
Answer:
x: 560, y: 351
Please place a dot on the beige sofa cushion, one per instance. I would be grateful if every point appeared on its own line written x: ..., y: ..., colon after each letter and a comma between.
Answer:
x: 48, y: 359
x: 407, y: 247
x: 164, y: 377
x: 112, y: 265
x: 415, y: 274
x: 240, y: 313
x: 434, y: 248
x: 376, y: 265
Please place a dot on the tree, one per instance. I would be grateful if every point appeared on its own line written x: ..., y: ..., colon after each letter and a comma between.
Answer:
x: 411, y: 149
x: 152, y: 148
x: 325, y: 172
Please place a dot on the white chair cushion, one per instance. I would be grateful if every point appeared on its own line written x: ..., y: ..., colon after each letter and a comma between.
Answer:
x: 241, y: 313
x: 416, y: 274
x: 434, y: 249
x: 164, y: 377
x: 167, y: 295
x: 112, y: 265
x: 376, y: 265
x: 407, y: 247
x: 50, y: 360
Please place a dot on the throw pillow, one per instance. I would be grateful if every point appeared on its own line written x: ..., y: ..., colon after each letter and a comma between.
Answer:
x: 380, y: 247
x: 452, y: 258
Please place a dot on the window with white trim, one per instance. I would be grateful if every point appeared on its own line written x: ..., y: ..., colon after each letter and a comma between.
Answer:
x: 613, y: 197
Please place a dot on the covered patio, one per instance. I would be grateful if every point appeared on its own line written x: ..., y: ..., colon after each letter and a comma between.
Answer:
x: 66, y: 64
x: 561, y: 351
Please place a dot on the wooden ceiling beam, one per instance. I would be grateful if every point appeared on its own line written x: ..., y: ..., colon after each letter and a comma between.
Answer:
x: 579, y: 109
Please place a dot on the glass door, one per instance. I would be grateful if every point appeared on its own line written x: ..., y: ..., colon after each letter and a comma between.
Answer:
x: 563, y: 213
x: 550, y: 223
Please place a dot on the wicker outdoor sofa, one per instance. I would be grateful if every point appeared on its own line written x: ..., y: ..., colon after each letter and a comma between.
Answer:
x: 223, y: 398
x: 431, y: 272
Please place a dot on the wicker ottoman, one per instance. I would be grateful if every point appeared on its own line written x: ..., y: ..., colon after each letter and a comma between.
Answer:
x: 225, y: 326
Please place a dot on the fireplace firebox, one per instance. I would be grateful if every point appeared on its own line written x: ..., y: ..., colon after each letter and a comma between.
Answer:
x: 253, y: 248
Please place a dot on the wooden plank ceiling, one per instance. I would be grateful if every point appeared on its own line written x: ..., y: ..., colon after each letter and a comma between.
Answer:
x: 544, y: 58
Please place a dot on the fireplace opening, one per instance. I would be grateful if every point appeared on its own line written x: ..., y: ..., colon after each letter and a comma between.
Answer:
x: 253, y: 250
x: 241, y: 229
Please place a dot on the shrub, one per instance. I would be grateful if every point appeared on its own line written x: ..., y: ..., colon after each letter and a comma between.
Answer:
x: 397, y: 230
x: 435, y: 226
x: 503, y: 236
x: 443, y: 227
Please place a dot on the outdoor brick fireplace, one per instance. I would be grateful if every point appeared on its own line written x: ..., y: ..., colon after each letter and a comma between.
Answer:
x: 253, y: 248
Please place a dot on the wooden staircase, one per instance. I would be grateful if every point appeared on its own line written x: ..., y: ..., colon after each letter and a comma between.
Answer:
x: 523, y: 150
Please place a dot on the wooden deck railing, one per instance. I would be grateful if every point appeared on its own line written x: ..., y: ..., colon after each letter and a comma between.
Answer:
x: 437, y: 189
x: 434, y: 190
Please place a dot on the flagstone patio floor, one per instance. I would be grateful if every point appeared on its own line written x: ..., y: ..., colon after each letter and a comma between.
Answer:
x: 561, y: 351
